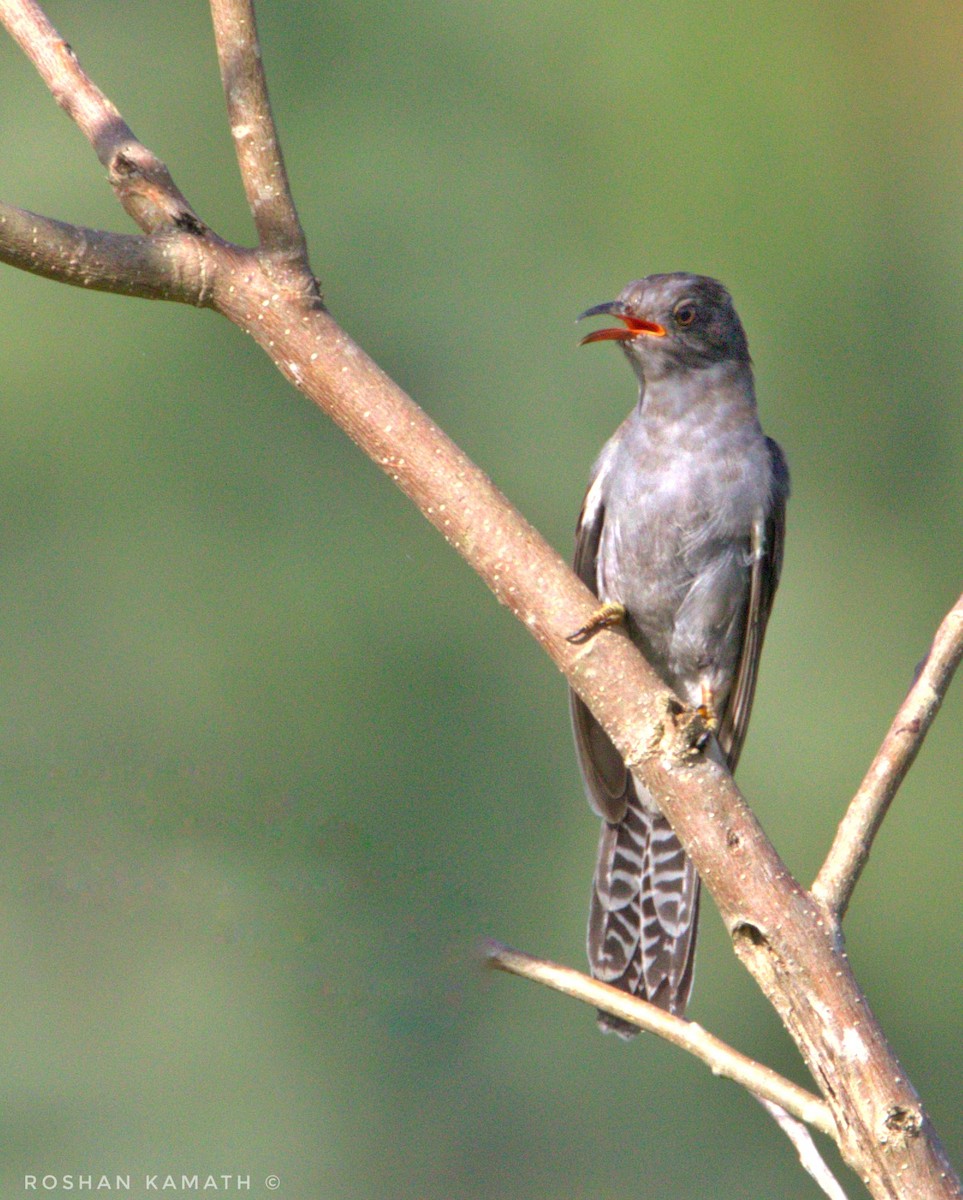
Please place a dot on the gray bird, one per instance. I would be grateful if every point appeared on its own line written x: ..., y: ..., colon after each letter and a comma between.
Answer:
x: 680, y: 537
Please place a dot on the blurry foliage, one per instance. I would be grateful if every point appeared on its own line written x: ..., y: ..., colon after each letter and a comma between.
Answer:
x: 274, y: 761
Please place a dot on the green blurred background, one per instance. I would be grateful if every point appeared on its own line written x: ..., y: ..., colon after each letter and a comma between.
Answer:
x: 274, y: 762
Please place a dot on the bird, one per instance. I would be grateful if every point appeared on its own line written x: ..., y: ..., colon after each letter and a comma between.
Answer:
x: 681, y: 538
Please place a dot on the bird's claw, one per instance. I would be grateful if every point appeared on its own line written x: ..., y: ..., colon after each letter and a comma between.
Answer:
x: 605, y: 616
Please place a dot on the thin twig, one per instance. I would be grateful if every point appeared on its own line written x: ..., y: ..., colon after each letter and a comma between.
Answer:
x: 255, y: 135
x: 142, y: 183
x: 810, y: 1158
x: 789, y: 1105
x: 721, y: 1058
x: 850, y: 849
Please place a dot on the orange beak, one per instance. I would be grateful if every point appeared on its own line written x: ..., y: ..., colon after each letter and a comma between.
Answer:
x: 634, y: 326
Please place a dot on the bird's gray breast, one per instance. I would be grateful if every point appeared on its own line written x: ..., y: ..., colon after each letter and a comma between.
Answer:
x: 676, y: 542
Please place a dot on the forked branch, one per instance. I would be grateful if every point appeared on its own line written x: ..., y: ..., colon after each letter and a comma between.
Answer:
x: 142, y: 183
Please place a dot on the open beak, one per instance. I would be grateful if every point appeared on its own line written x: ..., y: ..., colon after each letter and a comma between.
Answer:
x: 634, y: 326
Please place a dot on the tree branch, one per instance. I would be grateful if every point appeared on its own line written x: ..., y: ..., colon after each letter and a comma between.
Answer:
x: 809, y: 1157
x: 171, y: 266
x: 721, y: 1058
x: 789, y: 942
x: 850, y: 850
x: 255, y: 135
x: 140, y: 180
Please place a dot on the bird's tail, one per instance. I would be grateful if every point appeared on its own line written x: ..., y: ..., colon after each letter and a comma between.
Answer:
x: 644, y: 910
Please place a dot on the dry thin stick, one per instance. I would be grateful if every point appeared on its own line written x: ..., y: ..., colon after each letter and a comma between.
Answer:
x: 850, y: 849
x: 810, y: 1158
x: 782, y: 936
x: 788, y: 1104
x: 252, y: 127
x: 721, y: 1058
x: 140, y: 180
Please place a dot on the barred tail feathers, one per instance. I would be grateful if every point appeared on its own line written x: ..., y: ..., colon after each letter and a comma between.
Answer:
x: 644, y: 911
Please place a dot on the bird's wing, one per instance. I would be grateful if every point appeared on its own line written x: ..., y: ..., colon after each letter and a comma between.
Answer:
x: 767, y: 547
x: 607, y: 782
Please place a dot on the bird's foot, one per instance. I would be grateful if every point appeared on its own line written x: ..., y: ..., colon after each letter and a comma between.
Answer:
x: 707, y: 709
x: 605, y: 616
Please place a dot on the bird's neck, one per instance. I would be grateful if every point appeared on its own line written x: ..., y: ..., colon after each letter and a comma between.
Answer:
x: 725, y: 390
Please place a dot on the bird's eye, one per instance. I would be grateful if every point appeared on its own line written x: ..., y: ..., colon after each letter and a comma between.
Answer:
x: 685, y: 313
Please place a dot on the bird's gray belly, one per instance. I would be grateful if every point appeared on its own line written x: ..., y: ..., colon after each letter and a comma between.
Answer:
x: 685, y: 596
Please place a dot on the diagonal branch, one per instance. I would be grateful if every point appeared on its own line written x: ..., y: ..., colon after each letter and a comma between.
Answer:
x: 721, y: 1058
x: 850, y: 850
x: 788, y: 1104
x: 255, y: 135
x: 140, y: 180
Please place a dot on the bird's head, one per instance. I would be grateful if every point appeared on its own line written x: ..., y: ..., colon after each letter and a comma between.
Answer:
x: 673, y: 322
